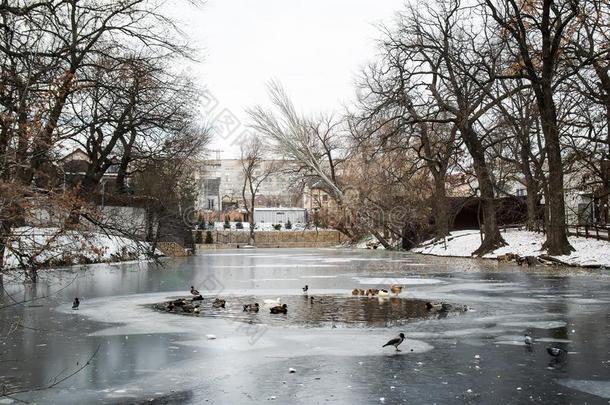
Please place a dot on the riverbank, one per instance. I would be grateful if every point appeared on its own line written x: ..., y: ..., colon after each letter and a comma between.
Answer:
x: 588, y: 252
x: 54, y: 247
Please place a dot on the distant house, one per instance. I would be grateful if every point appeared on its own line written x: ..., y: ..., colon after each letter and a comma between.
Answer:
x: 74, y: 167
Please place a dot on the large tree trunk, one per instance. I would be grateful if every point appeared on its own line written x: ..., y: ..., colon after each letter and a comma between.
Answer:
x: 532, y: 206
x: 251, y: 218
x: 492, y: 238
x: 605, y: 199
x: 557, y: 239
x: 441, y: 208
x: 43, y: 144
x: 531, y: 188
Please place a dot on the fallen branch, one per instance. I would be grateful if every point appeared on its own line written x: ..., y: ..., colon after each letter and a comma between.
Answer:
x: 53, y: 384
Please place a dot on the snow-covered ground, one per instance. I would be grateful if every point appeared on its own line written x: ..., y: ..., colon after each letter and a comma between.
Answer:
x: 589, y: 252
x: 52, y: 246
x: 367, y: 242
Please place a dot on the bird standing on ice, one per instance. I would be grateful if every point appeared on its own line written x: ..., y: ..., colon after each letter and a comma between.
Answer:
x: 76, y: 303
x: 396, y: 341
x: 528, y: 340
x: 194, y: 291
x: 305, y: 289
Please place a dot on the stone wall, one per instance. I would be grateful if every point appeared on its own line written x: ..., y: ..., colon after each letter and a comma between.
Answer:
x: 172, y: 249
x: 230, y: 239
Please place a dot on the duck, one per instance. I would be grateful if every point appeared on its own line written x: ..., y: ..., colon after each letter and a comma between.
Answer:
x: 528, y: 340
x: 433, y: 305
x: 179, y: 302
x: 76, y: 303
x: 305, y: 289
x: 198, y: 298
x: 251, y: 307
x: 189, y: 308
x: 396, y: 341
x: 383, y: 293
x: 396, y: 289
x: 170, y: 306
x: 556, y: 352
x: 194, y: 291
x: 279, y: 309
x: 219, y: 303
x: 355, y: 291
x: 272, y: 302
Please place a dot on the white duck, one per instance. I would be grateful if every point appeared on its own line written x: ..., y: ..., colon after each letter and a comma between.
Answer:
x: 383, y: 293
x: 272, y: 302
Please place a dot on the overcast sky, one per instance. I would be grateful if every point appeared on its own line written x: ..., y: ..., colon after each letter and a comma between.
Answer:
x: 314, y: 48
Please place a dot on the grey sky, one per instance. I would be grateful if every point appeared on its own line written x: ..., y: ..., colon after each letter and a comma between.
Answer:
x: 314, y: 48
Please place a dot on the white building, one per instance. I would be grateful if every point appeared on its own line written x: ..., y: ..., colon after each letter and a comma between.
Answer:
x: 280, y: 215
x: 221, y: 181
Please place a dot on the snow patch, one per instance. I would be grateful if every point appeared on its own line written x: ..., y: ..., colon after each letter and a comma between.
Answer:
x: 588, y: 252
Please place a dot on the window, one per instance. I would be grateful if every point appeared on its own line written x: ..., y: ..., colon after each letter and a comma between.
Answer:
x: 211, y: 204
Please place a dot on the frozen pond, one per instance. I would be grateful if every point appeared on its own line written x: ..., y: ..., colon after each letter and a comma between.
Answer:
x: 333, y: 343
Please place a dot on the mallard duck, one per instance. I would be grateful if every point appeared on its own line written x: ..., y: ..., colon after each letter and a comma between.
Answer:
x: 355, y: 291
x: 433, y: 305
x: 76, y: 303
x: 189, y: 308
x: 251, y: 307
x: 372, y: 292
x: 556, y: 352
x: 280, y: 309
x: 396, y: 289
x: 179, y: 302
x: 194, y: 291
x: 272, y: 302
x: 219, y: 303
x: 396, y: 341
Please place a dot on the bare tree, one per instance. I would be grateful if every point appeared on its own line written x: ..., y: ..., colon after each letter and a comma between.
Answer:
x: 255, y: 170
x: 535, y: 35
x: 451, y: 71
x: 314, y: 143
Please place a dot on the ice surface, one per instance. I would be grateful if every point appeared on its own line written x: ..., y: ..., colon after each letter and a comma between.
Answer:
x: 598, y: 388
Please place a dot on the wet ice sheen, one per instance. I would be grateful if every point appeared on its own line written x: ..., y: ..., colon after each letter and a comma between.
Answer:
x: 171, y: 359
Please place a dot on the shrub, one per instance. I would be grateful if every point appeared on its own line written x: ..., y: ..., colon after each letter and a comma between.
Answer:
x: 277, y: 227
x: 211, y: 224
x: 226, y: 225
x: 288, y: 225
x: 209, y: 239
x: 199, y: 237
